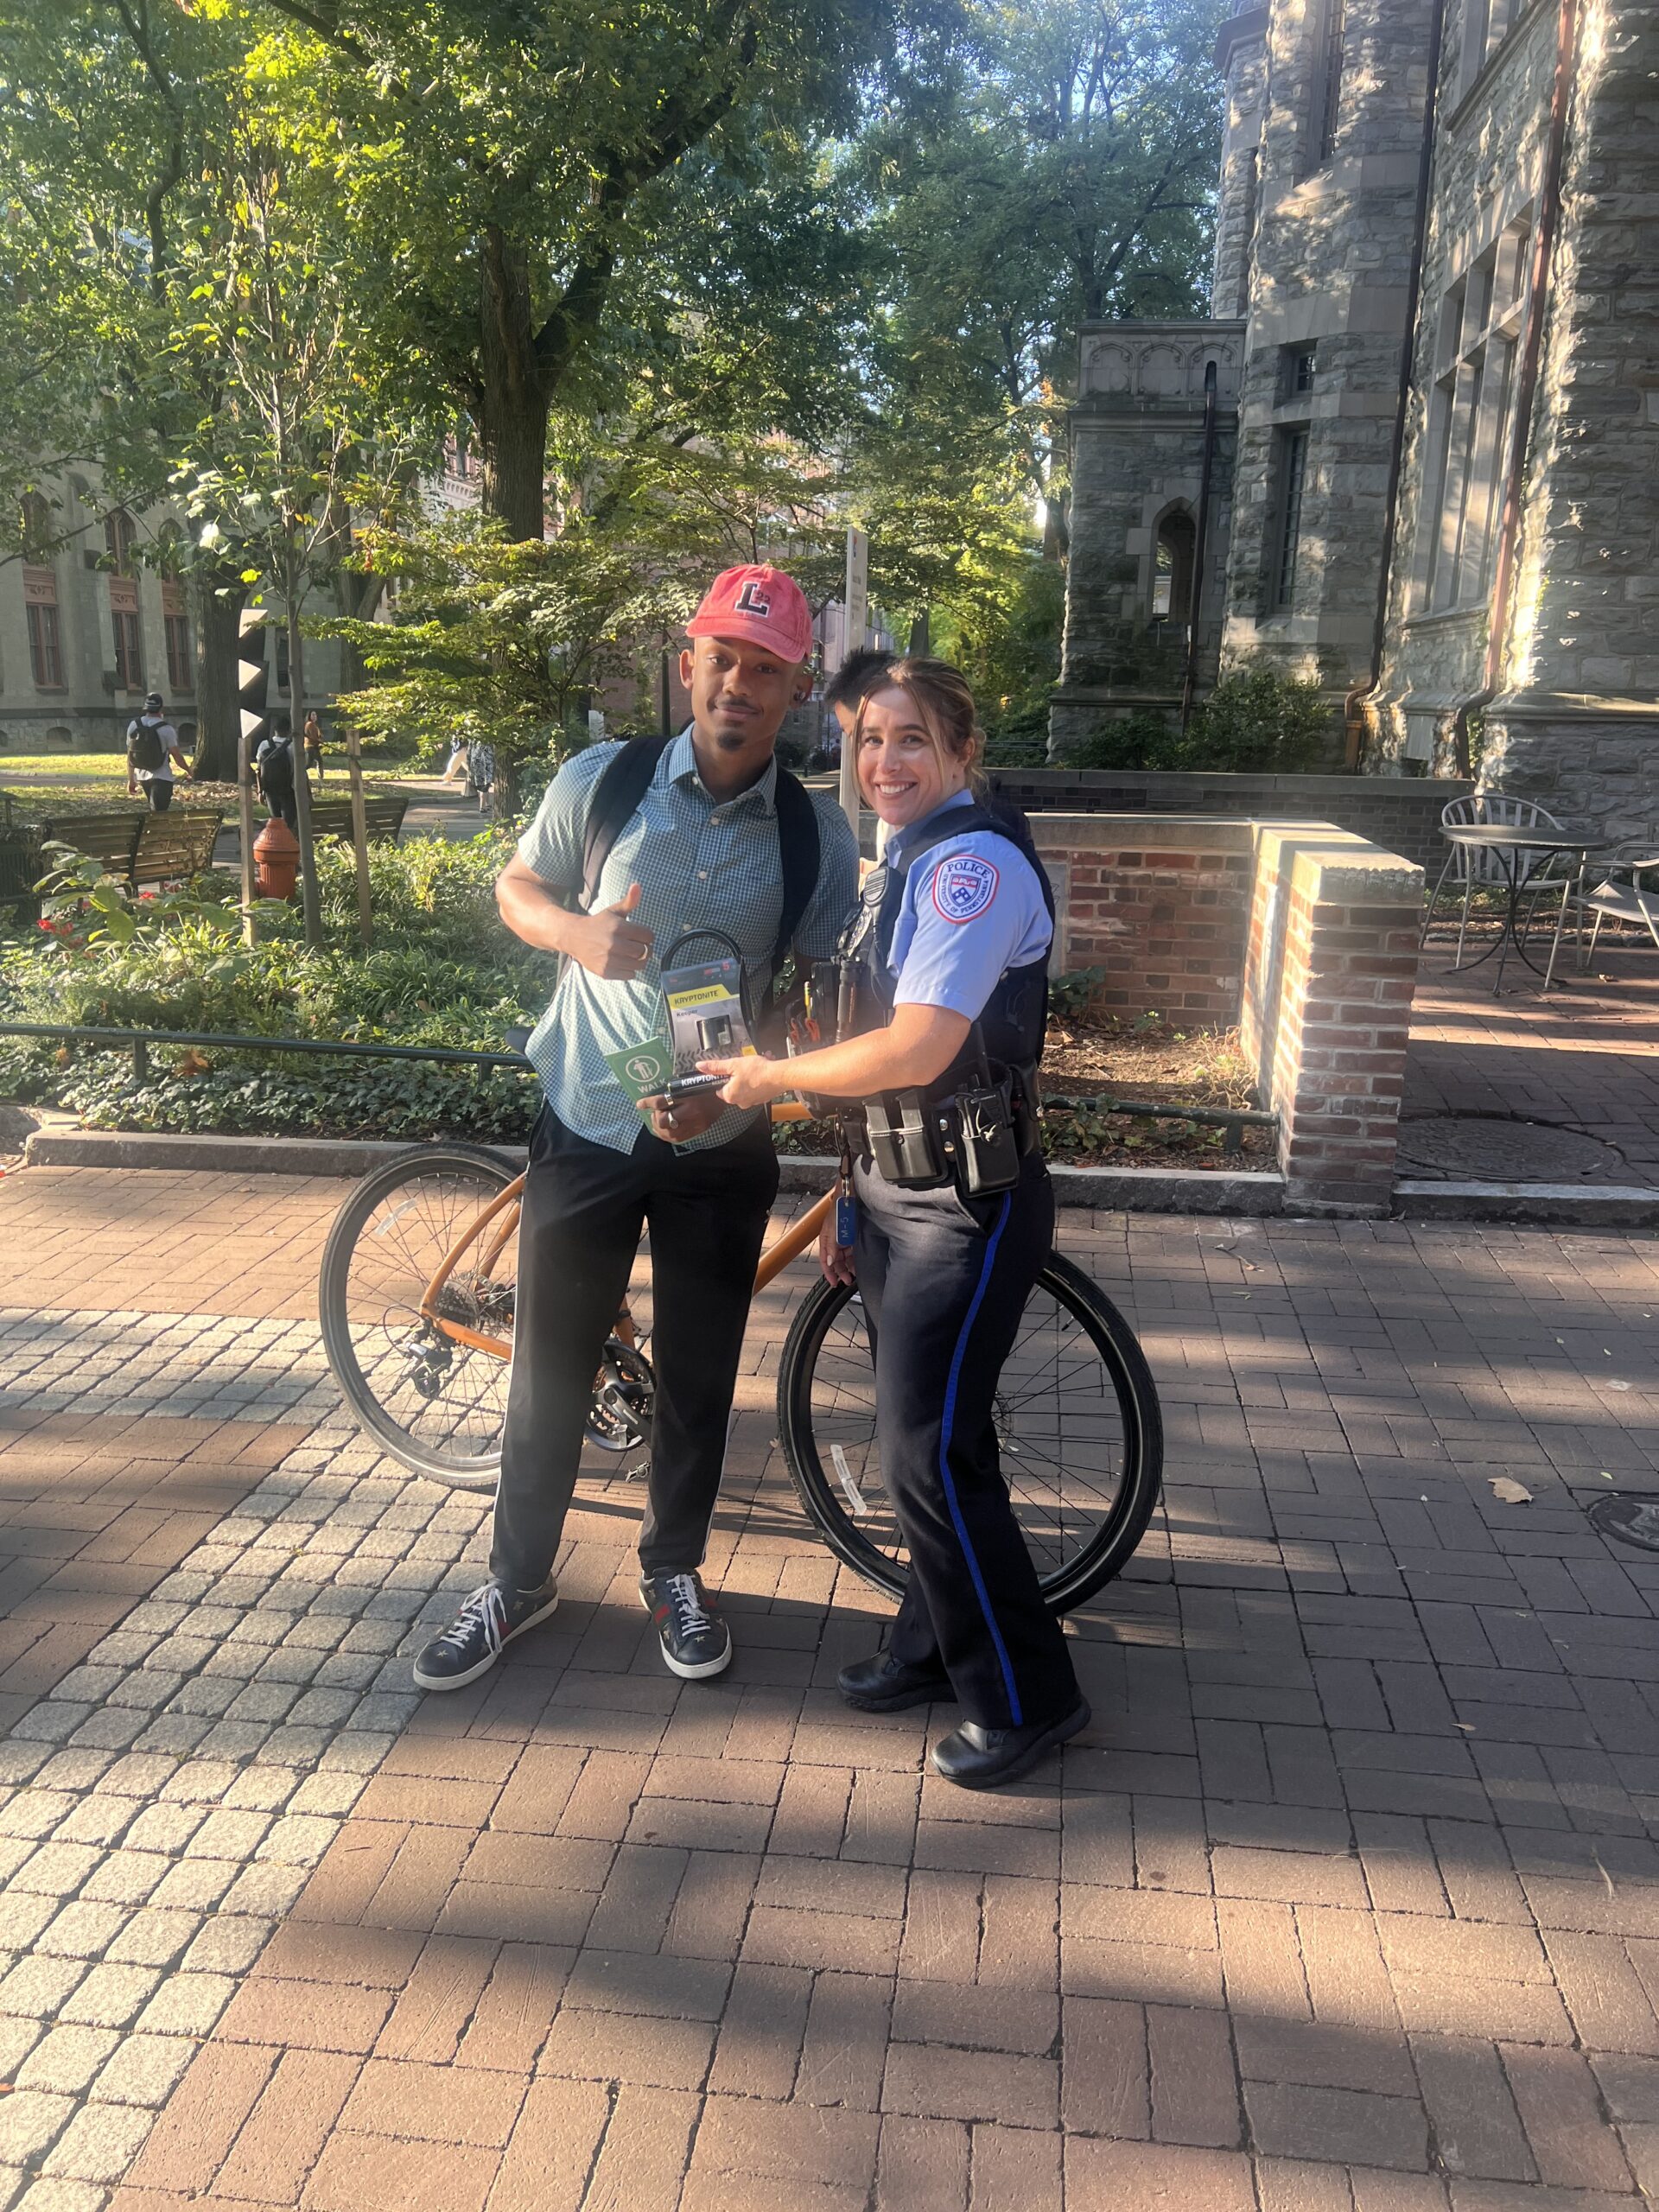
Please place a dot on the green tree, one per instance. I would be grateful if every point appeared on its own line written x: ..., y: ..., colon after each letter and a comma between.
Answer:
x: 509, y: 170
x: 1061, y: 173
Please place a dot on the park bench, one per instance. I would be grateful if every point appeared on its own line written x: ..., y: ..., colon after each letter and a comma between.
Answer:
x: 382, y: 815
x: 136, y: 848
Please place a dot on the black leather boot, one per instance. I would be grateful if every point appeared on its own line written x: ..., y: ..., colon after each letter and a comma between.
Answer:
x: 979, y: 1759
x: 884, y: 1684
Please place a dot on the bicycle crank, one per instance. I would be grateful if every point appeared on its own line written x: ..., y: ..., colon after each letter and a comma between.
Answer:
x: 619, y: 1418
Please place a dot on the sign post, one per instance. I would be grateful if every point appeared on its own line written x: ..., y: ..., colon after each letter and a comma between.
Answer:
x: 855, y: 619
x: 253, y: 699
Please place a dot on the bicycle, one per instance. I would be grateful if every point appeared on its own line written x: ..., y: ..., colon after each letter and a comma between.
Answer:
x: 417, y: 1296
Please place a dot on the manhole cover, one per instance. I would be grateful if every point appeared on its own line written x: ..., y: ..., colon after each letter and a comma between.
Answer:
x: 1630, y: 1516
x: 1491, y: 1149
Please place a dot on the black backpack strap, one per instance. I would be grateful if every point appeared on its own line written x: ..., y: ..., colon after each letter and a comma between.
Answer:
x: 623, y: 782
x: 799, y: 849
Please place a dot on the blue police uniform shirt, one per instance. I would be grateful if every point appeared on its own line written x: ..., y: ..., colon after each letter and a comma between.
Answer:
x: 973, y: 908
x: 701, y: 862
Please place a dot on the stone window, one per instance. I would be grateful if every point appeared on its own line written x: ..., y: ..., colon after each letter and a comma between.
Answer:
x: 1291, y: 474
x: 180, y: 669
x: 1172, y: 575
x: 1327, y: 79
x: 1469, y: 425
x: 1486, y: 26
x: 39, y: 539
x: 129, y: 656
x: 117, y: 541
x: 45, y: 643
x: 1298, y: 372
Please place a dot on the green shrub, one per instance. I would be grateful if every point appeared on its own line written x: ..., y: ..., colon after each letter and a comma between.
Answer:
x: 443, y: 971
x: 1255, y: 722
x: 1259, y: 721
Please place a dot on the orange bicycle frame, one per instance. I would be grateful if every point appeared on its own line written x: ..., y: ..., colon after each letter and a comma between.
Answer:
x: 503, y: 1210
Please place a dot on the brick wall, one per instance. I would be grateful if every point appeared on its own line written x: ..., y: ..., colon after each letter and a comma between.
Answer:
x: 1330, y: 966
x: 1401, y: 813
x: 1161, y: 905
x: 1303, y: 933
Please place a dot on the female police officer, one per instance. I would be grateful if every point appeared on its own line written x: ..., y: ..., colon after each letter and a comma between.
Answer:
x: 951, y: 939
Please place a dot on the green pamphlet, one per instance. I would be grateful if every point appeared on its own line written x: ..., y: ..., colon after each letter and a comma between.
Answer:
x: 643, y: 1068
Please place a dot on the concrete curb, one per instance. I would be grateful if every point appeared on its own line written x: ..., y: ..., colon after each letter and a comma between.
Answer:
x: 1569, y: 1205
x: 342, y: 1156
x: 1118, y: 1190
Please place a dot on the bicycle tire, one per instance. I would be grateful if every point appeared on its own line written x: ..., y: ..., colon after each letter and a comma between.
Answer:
x: 1101, y: 1556
x: 370, y: 1398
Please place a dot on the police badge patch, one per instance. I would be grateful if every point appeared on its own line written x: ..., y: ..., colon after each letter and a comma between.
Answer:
x: 963, y: 886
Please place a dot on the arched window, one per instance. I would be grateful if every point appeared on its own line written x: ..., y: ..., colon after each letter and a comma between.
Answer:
x: 1172, y: 573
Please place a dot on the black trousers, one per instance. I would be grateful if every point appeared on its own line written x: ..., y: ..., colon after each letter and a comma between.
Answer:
x: 159, y: 791
x: 944, y: 1281
x: 584, y: 1207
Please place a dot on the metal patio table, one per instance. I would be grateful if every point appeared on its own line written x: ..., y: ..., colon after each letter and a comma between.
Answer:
x: 1509, y: 845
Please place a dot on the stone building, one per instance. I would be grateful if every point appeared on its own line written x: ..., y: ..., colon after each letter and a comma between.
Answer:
x: 90, y: 621
x: 1437, y: 328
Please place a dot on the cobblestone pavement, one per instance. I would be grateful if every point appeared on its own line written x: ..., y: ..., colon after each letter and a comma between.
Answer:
x: 1586, y: 1058
x: 1347, y: 1902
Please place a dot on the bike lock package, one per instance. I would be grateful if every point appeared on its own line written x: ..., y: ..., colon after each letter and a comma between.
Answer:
x: 707, y: 1002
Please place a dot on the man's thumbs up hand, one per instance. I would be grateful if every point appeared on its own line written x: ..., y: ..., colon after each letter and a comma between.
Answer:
x: 614, y: 944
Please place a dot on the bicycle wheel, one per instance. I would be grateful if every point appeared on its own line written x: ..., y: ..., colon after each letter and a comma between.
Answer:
x: 435, y: 1404
x: 1077, y: 1424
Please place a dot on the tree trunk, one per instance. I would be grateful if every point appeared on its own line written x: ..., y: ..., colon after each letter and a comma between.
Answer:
x: 218, y: 726
x: 513, y: 395
x: 310, y: 898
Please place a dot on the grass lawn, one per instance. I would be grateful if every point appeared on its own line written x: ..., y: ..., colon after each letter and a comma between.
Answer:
x: 83, y: 782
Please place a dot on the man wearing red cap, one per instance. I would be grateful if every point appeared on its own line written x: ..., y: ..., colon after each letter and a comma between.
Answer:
x: 714, y: 840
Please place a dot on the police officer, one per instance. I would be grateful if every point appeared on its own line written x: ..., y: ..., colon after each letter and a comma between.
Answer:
x: 952, y: 942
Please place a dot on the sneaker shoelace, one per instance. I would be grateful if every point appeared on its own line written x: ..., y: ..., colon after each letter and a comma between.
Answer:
x: 485, y: 1609
x: 691, y: 1615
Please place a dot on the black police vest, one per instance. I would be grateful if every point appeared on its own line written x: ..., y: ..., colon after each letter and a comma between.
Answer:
x: 1014, y: 1019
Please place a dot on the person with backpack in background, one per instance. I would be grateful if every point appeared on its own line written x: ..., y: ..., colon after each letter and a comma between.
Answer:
x: 636, y: 848
x: 273, y: 771
x: 154, y: 756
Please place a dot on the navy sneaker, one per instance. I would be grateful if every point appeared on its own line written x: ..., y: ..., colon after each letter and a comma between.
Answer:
x: 695, y: 1643
x: 472, y: 1643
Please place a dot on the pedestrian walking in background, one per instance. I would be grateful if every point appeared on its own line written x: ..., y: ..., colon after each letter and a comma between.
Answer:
x: 154, y: 756
x: 313, y: 743
x: 273, y: 770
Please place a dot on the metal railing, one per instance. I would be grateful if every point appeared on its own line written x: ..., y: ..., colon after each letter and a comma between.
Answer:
x: 138, y: 1041
x: 1232, y: 1121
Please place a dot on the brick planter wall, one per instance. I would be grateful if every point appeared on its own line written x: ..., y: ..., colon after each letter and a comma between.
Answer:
x: 1303, y: 933
x: 1161, y: 906
x: 1400, y: 813
x: 1330, y: 970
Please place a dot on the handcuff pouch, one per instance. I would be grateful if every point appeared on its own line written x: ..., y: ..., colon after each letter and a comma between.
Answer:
x: 906, y: 1147
x: 987, y: 1149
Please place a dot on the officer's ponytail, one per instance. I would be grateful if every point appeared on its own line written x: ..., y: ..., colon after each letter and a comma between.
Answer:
x: 947, y: 712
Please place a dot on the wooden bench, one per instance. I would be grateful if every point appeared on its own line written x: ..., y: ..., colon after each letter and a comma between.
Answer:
x: 171, y: 845
x: 138, y: 848
x: 382, y: 815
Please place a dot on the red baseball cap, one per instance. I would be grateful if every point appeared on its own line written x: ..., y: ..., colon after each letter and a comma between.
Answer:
x: 760, y: 604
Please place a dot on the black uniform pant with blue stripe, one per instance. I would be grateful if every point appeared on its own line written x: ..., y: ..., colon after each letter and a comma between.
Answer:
x: 945, y: 1281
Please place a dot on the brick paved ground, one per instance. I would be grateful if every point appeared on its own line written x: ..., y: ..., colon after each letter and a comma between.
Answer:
x: 1586, y: 1058
x: 1346, y: 1903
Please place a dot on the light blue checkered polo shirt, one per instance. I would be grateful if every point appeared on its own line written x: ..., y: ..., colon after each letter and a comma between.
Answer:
x: 700, y: 863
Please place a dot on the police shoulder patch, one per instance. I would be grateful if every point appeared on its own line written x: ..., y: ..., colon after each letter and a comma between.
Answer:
x: 963, y: 886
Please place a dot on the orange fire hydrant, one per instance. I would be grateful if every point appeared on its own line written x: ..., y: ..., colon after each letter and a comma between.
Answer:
x: 275, y: 859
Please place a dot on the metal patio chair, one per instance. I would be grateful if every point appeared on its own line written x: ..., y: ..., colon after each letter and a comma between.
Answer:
x: 1623, y: 897
x: 1469, y: 866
